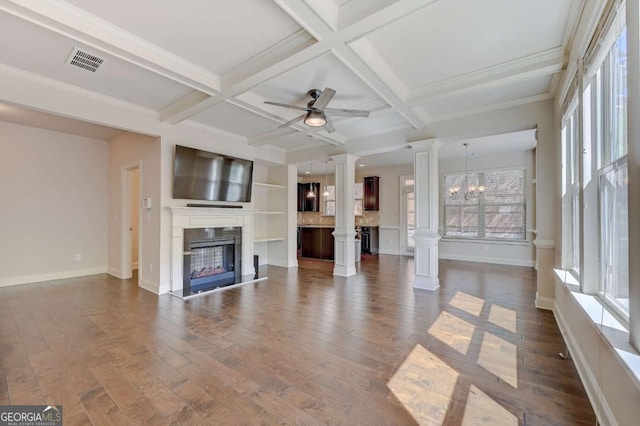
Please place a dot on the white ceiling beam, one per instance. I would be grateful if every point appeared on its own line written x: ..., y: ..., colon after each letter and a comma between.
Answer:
x: 270, y: 136
x: 527, y: 68
x: 188, y: 106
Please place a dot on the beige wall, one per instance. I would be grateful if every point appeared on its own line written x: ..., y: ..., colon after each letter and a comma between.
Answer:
x: 54, y: 204
x: 126, y: 151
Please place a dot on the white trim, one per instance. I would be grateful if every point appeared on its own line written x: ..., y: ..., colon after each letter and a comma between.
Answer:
x: 598, y: 402
x: 546, y: 303
x: 29, y: 279
x: 134, y: 265
x: 115, y: 272
x: 544, y: 244
x: 149, y: 286
x: 491, y: 260
x: 393, y: 252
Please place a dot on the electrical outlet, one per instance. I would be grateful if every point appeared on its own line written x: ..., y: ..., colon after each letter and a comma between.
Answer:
x: 78, y: 257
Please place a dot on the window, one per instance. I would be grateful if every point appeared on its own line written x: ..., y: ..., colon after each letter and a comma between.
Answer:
x: 498, y: 213
x: 330, y: 200
x: 408, y: 207
x: 612, y: 181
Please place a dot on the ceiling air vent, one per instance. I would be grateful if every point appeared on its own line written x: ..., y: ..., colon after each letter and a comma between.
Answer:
x: 84, y: 60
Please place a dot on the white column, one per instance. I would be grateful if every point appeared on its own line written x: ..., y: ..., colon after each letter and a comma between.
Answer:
x: 426, y: 235
x: 344, y: 232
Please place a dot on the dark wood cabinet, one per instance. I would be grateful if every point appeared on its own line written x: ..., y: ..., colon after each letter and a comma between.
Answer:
x: 371, y: 199
x: 305, y: 203
x: 317, y: 243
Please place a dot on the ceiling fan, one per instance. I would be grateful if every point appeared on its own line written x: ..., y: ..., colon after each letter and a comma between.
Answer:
x: 316, y: 113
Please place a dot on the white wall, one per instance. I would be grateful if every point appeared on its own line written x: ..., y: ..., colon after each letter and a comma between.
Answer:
x: 125, y: 151
x: 508, y: 253
x: 54, y: 203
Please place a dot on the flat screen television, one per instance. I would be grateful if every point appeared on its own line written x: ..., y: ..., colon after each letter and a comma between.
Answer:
x: 207, y: 176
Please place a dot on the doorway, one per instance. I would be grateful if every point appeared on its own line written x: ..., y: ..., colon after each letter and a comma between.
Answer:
x: 131, y: 221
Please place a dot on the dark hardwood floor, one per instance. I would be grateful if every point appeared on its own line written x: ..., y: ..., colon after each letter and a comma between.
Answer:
x: 302, y: 347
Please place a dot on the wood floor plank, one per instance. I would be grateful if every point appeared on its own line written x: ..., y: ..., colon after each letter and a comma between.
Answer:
x: 303, y: 347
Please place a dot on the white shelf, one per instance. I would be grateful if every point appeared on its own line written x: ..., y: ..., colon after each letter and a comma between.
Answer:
x: 264, y: 185
x: 267, y: 212
x: 267, y: 239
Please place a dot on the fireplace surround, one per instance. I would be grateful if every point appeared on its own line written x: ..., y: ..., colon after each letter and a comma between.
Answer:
x: 196, y: 225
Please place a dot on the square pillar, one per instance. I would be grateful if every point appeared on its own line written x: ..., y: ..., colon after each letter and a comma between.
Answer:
x: 344, y: 231
x: 426, y: 235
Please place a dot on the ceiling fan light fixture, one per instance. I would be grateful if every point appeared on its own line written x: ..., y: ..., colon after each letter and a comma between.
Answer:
x: 315, y: 119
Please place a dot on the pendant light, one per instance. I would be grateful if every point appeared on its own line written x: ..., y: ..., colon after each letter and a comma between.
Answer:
x: 325, y: 194
x: 311, y: 194
x: 471, y: 191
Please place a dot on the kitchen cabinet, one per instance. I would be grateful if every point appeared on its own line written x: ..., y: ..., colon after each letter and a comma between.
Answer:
x: 371, y: 193
x: 316, y: 243
x: 308, y: 204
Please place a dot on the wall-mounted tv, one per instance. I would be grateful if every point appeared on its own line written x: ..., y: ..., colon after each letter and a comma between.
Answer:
x: 207, y: 176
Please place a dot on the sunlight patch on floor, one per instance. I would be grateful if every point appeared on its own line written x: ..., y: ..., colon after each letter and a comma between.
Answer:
x: 499, y: 357
x: 453, y: 331
x: 482, y: 410
x: 424, y: 385
x: 465, y: 302
x: 503, y: 317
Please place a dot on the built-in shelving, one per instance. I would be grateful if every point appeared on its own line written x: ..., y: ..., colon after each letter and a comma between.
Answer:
x: 261, y: 239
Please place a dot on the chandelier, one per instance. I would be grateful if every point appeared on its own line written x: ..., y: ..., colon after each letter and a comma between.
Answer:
x: 471, y: 191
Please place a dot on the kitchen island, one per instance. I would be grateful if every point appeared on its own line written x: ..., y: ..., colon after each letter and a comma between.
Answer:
x: 316, y: 241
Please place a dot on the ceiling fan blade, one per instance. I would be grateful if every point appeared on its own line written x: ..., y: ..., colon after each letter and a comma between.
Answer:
x: 290, y: 122
x: 329, y: 127
x: 324, y: 98
x: 346, y: 112
x: 287, y: 105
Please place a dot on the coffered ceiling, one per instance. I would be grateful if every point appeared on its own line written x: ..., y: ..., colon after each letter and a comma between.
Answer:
x: 412, y: 63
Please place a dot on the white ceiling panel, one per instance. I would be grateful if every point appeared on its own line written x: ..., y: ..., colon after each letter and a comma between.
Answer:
x: 455, y: 37
x: 217, y: 35
x: 380, y: 122
x: 37, y: 50
x: 484, y: 98
x: 297, y: 141
x: 326, y: 71
x: 234, y: 119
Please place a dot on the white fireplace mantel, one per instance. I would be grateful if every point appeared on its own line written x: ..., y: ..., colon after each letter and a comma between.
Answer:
x: 208, y: 217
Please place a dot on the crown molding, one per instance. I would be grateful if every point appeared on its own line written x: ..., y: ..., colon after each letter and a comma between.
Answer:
x: 493, y: 107
x: 534, y: 66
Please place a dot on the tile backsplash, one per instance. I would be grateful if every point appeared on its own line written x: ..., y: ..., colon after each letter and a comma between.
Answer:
x: 316, y: 218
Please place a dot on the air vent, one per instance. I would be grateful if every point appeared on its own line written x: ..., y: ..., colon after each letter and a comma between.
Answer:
x: 85, y: 60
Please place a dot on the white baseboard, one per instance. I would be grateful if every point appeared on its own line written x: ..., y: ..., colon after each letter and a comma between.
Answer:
x: 115, y: 272
x: 28, y: 279
x: 149, y: 286
x: 546, y: 303
x: 394, y: 252
x: 134, y: 265
x: 598, y: 403
x: 492, y: 260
